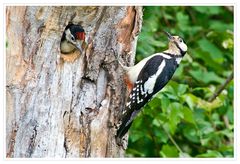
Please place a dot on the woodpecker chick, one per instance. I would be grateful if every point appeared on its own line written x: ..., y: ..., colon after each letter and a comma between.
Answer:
x: 73, y: 38
x: 148, y: 77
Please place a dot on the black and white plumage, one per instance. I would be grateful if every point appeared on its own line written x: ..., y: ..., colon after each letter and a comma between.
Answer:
x: 148, y: 77
x: 73, y: 38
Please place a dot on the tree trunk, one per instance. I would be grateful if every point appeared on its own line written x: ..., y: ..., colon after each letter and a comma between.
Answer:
x: 66, y: 105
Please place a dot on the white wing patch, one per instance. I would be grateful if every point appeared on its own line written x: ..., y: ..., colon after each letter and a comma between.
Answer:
x: 150, y: 83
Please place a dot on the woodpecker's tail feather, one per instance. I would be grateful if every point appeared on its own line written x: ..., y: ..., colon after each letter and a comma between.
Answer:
x: 127, y: 120
x: 123, y: 130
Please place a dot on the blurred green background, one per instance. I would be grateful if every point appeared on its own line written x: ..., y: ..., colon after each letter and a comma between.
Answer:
x: 181, y: 121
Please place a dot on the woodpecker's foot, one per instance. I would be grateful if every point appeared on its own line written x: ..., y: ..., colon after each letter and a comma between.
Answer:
x: 119, y: 141
x: 116, y: 126
x: 122, y: 142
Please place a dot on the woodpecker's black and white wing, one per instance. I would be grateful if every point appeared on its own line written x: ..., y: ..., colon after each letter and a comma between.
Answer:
x: 155, y: 74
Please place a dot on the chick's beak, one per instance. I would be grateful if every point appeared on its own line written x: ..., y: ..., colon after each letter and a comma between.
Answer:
x: 168, y: 35
x: 79, y: 46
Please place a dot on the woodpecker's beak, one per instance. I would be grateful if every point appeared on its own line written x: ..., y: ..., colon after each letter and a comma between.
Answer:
x: 168, y: 35
x: 79, y: 46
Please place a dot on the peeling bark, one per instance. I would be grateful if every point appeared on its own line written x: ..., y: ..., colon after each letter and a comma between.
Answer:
x: 66, y: 106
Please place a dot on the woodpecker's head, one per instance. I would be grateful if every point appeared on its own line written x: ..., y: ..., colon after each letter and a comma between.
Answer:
x: 73, y: 37
x: 176, y: 44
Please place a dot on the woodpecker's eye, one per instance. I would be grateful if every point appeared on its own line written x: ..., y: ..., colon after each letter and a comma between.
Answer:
x: 180, y: 40
x: 72, y: 38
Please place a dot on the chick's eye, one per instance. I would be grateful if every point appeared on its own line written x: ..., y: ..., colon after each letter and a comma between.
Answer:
x: 180, y: 40
x: 72, y: 38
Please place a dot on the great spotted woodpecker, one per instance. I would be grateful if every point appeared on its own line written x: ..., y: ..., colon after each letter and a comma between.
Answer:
x: 148, y: 77
x: 73, y: 38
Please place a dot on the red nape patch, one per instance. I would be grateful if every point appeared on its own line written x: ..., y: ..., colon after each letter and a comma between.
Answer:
x: 80, y: 35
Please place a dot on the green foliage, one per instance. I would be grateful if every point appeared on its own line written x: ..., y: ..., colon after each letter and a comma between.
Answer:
x: 180, y: 121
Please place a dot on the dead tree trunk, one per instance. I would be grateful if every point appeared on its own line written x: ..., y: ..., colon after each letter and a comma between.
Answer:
x: 66, y: 106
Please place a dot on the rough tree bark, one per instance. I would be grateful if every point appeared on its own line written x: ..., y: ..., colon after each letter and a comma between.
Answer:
x: 66, y: 106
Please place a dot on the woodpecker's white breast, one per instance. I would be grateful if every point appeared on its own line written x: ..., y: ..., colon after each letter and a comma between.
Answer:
x: 134, y: 71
